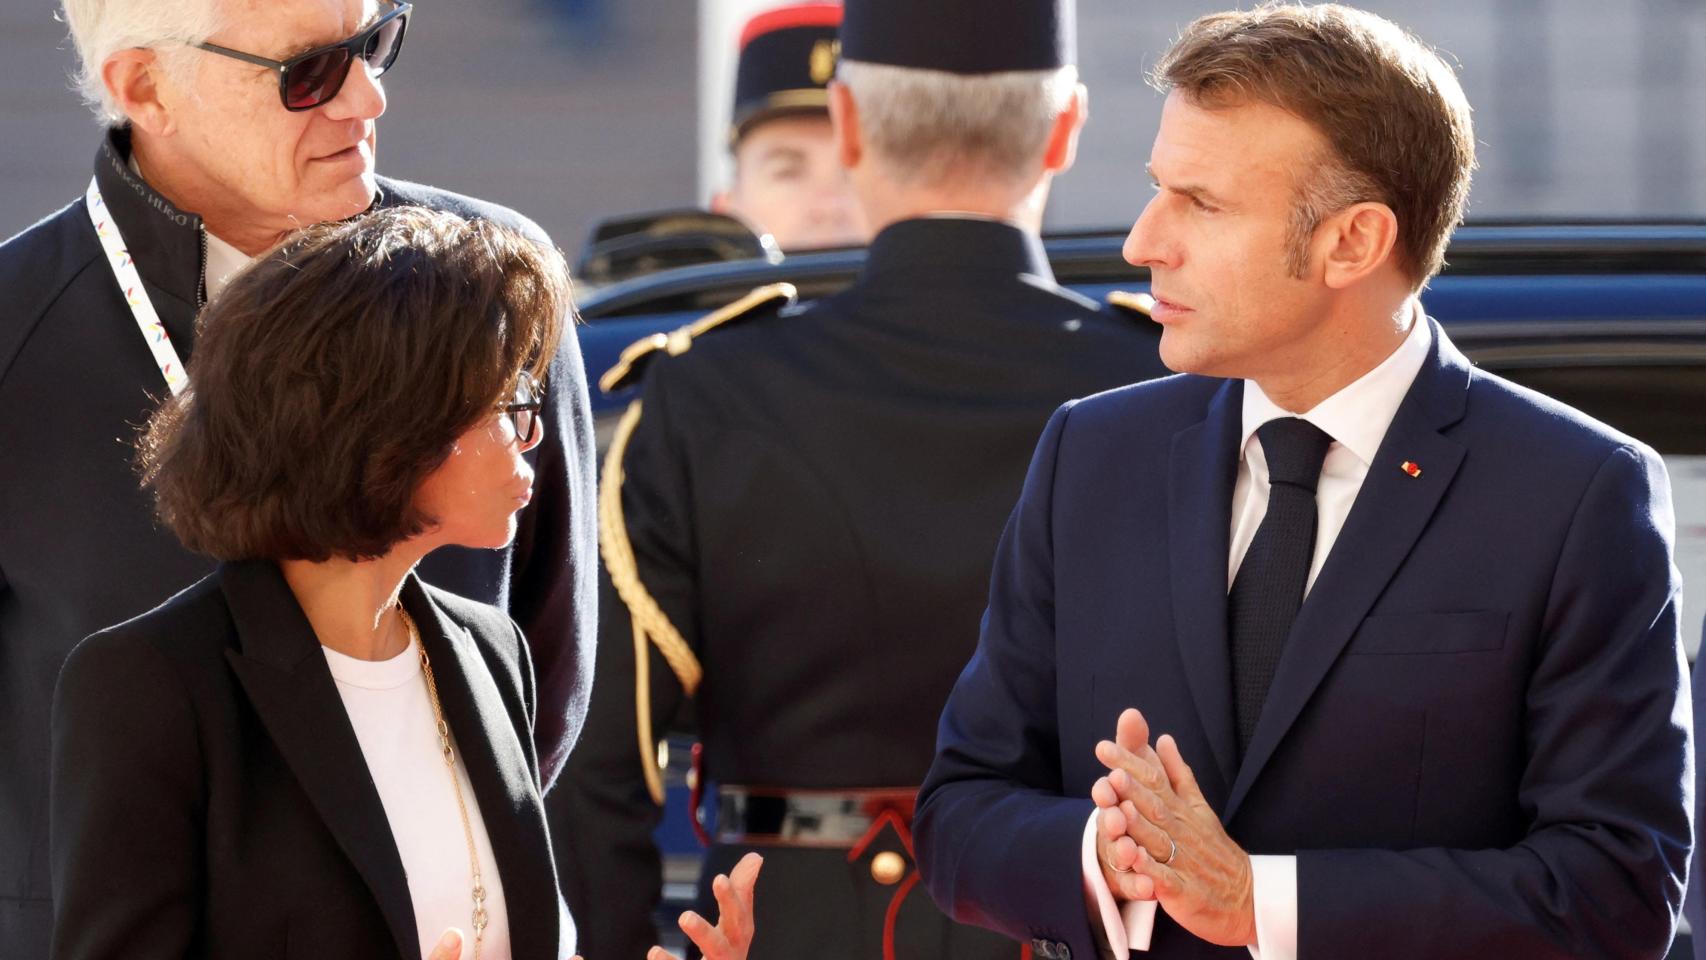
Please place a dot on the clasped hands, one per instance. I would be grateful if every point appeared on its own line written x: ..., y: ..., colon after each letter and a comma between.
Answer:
x: 1158, y: 839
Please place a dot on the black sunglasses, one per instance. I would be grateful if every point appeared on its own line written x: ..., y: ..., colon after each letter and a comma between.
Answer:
x: 523, y: 408
x: 309, y: 79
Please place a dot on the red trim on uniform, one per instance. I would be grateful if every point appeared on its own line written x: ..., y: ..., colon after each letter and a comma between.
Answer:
x: 893, y: 914
x: 696, y: 795
x: 784, y: 18
x: 887, y: 818
x: 897, y: 821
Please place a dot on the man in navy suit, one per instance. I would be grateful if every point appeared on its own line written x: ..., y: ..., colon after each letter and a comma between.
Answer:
x: 1408, y: 632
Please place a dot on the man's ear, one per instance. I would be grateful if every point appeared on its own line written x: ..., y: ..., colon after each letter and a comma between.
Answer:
x: 844, y: 125
x: 1063, y: 139
x: 135, y: 79
x: 1355, y: 242
x: 720, y: 202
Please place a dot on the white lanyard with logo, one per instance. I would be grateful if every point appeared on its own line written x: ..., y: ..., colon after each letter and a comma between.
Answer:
x: 130, y: 282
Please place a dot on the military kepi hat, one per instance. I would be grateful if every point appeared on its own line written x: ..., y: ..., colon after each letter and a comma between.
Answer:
x: 962, y: 36
x: 787, y: 58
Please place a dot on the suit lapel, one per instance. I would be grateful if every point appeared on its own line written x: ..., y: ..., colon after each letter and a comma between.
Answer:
x: 498, y: 767
x: 1390, y: 513
x: 1204, y: 465
x: 291, y: 689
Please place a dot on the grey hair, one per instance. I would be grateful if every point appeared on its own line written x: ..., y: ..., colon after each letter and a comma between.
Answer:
x: 929, y: 125
x: 101, y: 28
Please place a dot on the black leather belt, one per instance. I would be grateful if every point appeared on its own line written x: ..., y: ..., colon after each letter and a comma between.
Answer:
x: 817, y: 818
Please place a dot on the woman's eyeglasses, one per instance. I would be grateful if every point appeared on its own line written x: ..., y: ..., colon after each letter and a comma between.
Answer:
x: 307, y: 80
x: 523, y: 408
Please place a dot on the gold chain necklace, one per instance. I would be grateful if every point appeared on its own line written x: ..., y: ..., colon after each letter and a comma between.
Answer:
x: 455, y: 781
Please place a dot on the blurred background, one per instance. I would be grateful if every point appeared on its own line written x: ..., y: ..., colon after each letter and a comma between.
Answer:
x: 571, y: 110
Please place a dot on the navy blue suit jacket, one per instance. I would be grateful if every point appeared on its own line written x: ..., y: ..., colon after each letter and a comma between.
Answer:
x: 1694, y: 908
x: 1476, y: 743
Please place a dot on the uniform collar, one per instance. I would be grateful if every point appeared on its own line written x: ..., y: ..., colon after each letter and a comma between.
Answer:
x: 958, y: 244
x: 164, y: 241
x: 1356, y: 417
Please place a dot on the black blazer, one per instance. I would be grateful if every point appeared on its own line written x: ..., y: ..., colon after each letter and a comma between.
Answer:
x: 210, y: 798
x: 79, y: 546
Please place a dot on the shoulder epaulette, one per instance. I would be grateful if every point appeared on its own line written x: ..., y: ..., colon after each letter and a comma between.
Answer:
x: 1139, y: 304
x: 763, y: 300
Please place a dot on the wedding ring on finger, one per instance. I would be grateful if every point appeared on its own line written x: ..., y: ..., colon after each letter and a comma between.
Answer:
x: 1108, y: 858
x: 1172, y: 851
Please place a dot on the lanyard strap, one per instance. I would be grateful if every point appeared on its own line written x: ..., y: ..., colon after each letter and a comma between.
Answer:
x: 129, y: 281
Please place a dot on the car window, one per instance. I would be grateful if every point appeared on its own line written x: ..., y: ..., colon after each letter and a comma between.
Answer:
x: 1661, y: 405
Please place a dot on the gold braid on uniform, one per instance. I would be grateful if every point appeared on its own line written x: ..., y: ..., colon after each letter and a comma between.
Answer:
x: 679, y: 341
x: 651, y: 625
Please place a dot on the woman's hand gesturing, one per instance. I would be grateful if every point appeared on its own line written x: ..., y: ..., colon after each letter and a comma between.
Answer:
x: 732, y: 935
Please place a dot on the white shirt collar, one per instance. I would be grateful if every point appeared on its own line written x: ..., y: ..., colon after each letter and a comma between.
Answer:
x: 1356, y: 417
x: 223, y: 260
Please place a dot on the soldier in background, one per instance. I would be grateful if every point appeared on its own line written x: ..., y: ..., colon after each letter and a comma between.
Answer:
x: 787, y: 182
x: 799, y: 513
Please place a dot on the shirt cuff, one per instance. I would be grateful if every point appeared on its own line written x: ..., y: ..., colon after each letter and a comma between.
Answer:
x: 1274, y: 891
x: 1128, y: 926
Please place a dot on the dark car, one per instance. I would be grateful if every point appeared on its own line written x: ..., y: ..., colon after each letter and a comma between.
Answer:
x: 1608, y: 317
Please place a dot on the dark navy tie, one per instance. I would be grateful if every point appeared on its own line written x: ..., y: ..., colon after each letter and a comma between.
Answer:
x: 1268, y: 589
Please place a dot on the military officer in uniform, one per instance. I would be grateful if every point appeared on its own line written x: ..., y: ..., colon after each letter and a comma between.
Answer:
x: 799, y: 512
x: 787, y: 181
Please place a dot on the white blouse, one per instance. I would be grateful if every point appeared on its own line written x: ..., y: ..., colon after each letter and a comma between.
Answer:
x: 388, y: 706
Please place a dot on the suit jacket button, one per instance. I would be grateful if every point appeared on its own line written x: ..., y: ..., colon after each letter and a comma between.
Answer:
x: 1042, y: 948
x: 1062, y: 951
x: 887, y: 868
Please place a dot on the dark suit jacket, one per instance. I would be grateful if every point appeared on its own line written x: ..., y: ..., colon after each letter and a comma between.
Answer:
x: 813, y: 496
x: 1476, y: 742
x: 1694, y: 908
x: 80, y: 549
x: 211, y: 800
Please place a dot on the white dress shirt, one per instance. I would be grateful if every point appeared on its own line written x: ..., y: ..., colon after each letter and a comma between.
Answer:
x: 1356, y: 417
x: 394, y: 722
x: 223, y: 260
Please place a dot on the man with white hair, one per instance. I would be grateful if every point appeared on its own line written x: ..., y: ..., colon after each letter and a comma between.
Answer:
x: 227, y: 124
x: 799, y: 512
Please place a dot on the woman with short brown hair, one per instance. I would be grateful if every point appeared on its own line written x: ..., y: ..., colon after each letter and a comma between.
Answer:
x: 311, y: 753
x: 340, y: 373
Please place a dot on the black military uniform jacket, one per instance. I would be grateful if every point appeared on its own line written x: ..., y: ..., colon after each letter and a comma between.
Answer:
x: 79, y: 547
x: 813, y: 497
